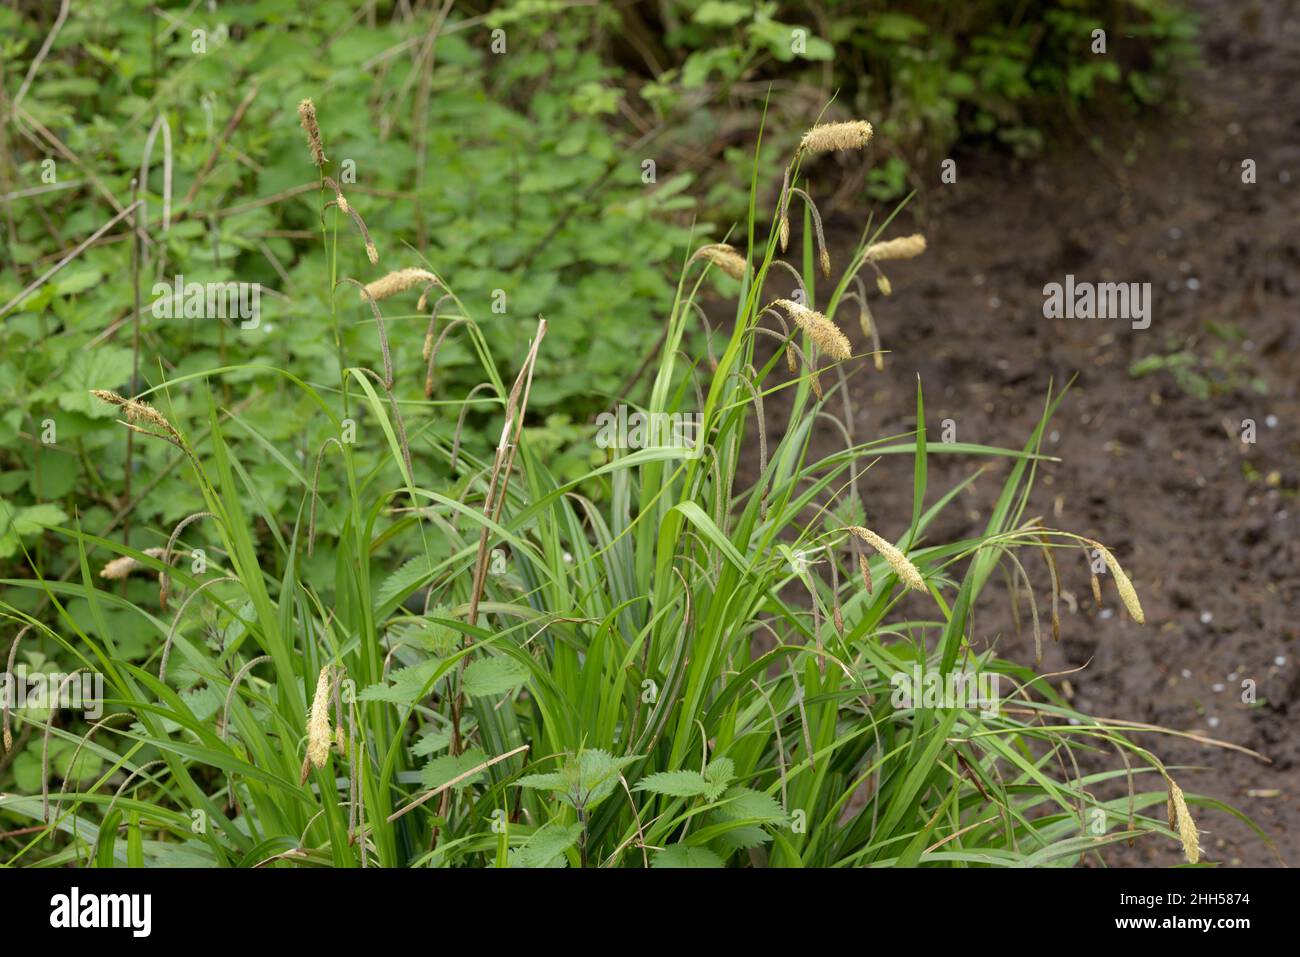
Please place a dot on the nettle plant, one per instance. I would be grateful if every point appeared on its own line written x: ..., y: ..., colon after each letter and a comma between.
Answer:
x: 533, y: 208
x: 648, y: 664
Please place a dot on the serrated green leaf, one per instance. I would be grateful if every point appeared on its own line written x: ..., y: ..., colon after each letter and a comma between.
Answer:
x: 746, y: 804
x: 493, y: 676
x: 546, y: 847
x: 675, y: 784
x: 680, y: 855
x: 441, y: 770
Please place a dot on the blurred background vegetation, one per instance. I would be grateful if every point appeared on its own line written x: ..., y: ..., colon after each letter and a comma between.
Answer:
x: 546, y: 157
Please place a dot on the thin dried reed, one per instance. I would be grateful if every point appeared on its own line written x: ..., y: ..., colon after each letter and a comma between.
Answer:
x: 823, y: 257
x: 7, y: 736
x: 383, y: 333
x: 164, y: 581
x: 371, y: 252
x: 784, y: 204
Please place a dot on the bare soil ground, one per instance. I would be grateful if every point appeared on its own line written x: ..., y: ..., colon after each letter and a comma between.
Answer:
x: 1205, y: 523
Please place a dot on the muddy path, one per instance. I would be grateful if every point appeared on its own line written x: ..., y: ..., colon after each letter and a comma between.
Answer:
x: 1154, y: 465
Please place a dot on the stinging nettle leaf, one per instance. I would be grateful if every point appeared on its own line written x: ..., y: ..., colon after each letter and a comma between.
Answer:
x: 494, y: 676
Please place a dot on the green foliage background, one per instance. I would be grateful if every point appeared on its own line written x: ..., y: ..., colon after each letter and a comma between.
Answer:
x: 530, y: 183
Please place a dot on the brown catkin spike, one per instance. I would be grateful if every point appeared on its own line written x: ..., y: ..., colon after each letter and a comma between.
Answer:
x: 137, y: 411
x: 905, y: 247
x: 396, y: 282
x: 1050, y: 559
x: 1180, y: 818
x: 865, y: 567
x: 821, y: 330
x: 1127, y: 593
x: 829, y: 137
x: 1095, y: 581
x: 307, y: 117
x: 908, y: 573
x: 725, y: 257
x: 783, y: 229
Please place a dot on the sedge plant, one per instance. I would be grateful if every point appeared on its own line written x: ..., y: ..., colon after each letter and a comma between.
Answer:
x: 675, y: 659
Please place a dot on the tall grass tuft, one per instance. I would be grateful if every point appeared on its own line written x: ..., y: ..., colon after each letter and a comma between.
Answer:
x: 669, y: 660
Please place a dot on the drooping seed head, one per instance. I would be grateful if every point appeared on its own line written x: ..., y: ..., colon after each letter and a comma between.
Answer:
x: 1127, y: 593
x: 307, y: 117
x: 725, y: 257
x: 828, y: 137
x: 905, y: 247
x: 124, y: 565
x: 821, y: 330
x: 908, y: 573
x: 1180, y: 819
x: 137, y: 411
x: 318, y: 721
x: 399, y: 281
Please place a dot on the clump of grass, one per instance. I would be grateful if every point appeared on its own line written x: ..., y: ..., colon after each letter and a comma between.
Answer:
x: 601, y: 669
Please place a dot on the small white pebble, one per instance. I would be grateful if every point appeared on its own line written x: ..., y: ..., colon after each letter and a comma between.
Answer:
x: 1270, y: 420
x: 1280, y: 661
x: 1186, y: 673
x: 1206, y: 617
x: 1213, y: 722
x: 1193, y: 284
x: 1106, y: 613
x: 1218, y: 686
